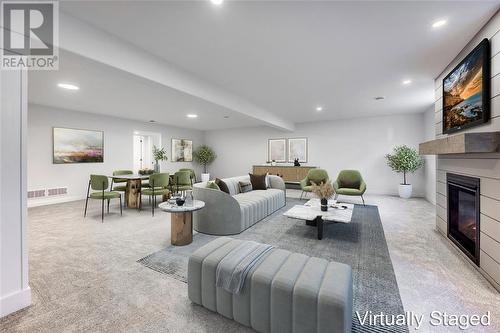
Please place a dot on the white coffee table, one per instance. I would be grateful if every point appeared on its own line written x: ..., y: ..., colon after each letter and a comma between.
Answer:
x: 313, y: 215
x: 181, y: 228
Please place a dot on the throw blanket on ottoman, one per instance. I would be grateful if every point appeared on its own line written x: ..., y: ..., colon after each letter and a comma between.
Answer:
x: 281, y: 291
x: 234, y: 267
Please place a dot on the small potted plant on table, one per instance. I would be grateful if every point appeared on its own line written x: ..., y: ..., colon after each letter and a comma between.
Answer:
x: 323, y: 191
x: 159, y: 154
x: 403, y: 160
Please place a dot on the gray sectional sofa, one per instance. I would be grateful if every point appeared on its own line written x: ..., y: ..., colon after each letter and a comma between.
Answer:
x: 285, y: 292
x: 229, y: 214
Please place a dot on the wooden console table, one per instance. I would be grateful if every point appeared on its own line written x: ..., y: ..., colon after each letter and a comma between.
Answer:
x: 289, y: 173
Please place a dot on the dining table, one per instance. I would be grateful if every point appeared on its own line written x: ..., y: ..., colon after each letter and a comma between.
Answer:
x: 132, y: 189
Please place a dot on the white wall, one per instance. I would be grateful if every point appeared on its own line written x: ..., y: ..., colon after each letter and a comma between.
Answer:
x: 430, y: 160
x: 15, y: 292
x: 359, y: 143
x: 118, y: 149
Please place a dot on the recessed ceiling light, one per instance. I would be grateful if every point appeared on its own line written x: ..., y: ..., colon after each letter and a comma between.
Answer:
x: 152, y: 121
x: 406, y: 82
x: 68, y: 86
x: 379, y: 98
x: 319, y: 108
x: 217, y: 2
x: 226, y: 117
x: 192, y: 116
x: 438, y: 24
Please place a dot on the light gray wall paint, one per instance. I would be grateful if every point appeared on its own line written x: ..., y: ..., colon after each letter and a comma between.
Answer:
x: 359, y: 143
x: 430, y: 160
x: 118, y: 149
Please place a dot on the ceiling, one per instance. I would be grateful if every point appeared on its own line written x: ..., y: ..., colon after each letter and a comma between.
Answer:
x: 109, y: 91
x: 286, y: 57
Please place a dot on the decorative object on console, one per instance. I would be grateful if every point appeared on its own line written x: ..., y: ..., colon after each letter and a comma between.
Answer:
x: 296, y: 162
x: 404, y: 159
x: 466, y: 91
x: 276, y: 150
x: 77, y: 146
x: 323, y: 191
x: 159, y: 154
x: 204, y: 156
x: 182, y: 150
x: 297, y: 149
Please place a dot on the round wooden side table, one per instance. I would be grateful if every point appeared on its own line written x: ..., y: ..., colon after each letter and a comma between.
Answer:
x: 181, y: 228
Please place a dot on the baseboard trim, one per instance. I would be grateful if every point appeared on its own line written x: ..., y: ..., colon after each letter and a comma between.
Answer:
x: 52, y: 201
x: 15, y: 302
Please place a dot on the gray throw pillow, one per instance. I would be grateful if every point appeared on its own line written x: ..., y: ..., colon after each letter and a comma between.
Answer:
x: 245, y: 187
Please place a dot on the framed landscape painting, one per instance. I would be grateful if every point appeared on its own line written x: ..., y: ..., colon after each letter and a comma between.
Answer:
x: 77, y: 146
x: 297, y: 148
x: 276, y: 150
x: 466, y: 91
x: 182, y: 150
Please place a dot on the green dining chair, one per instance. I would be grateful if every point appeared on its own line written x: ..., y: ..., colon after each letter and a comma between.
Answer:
x: 183, y: 181
x: 350, y: 182
x: 99, y: 184
x: 316, y: 176
x: 192, y: 174
x: 114, y: 181
x: 158, y: 185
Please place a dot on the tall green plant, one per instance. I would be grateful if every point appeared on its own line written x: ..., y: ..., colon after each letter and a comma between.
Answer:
x: 404, y: 159
x: 204, y: 155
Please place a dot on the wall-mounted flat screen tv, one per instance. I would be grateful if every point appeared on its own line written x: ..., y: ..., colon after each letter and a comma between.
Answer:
x: 466, y: 91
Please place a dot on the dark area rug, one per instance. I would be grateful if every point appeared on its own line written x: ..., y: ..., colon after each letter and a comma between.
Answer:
x: 360, y: 244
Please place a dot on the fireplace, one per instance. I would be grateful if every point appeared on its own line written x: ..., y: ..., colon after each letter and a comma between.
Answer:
x: 463, y: 214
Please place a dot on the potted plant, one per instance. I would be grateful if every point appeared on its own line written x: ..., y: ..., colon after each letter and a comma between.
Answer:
x: 403, y: 160
x: 323, y: 191
x: 204, y: 156
x: 159, y: 154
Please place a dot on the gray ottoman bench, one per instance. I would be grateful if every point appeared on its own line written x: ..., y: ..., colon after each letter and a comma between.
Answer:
x: 284, y: 292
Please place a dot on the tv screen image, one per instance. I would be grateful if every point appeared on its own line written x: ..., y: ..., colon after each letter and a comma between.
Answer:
x: 466, y: 91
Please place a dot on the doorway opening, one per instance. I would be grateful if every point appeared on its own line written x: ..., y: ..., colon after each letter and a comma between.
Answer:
x: 143, y: 149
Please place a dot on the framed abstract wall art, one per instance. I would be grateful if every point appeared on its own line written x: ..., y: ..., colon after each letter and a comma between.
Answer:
x: 297, y: 148
x: 77, y: 146
x: 182, y: 150
x: 276, y: 150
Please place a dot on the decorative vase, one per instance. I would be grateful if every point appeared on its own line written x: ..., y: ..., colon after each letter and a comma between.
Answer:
x: 205, y: 177
x: 405, y: 191
x: 324, y: 205
x: 179, y: 201
x: 157, y: 167
x: 273, y: 163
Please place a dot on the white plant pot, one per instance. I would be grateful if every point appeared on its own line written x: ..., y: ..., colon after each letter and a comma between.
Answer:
x: 405, y: 191
x: 205, y: 177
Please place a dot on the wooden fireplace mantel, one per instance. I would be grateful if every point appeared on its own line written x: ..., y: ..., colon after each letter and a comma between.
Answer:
x: 465, y: 143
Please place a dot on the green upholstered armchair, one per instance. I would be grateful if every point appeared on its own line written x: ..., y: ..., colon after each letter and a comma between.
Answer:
x: 350, y: 182
x: 158, y: 185
x: 192, y: 174
x: 315, y: 175
x: 99, y: 185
